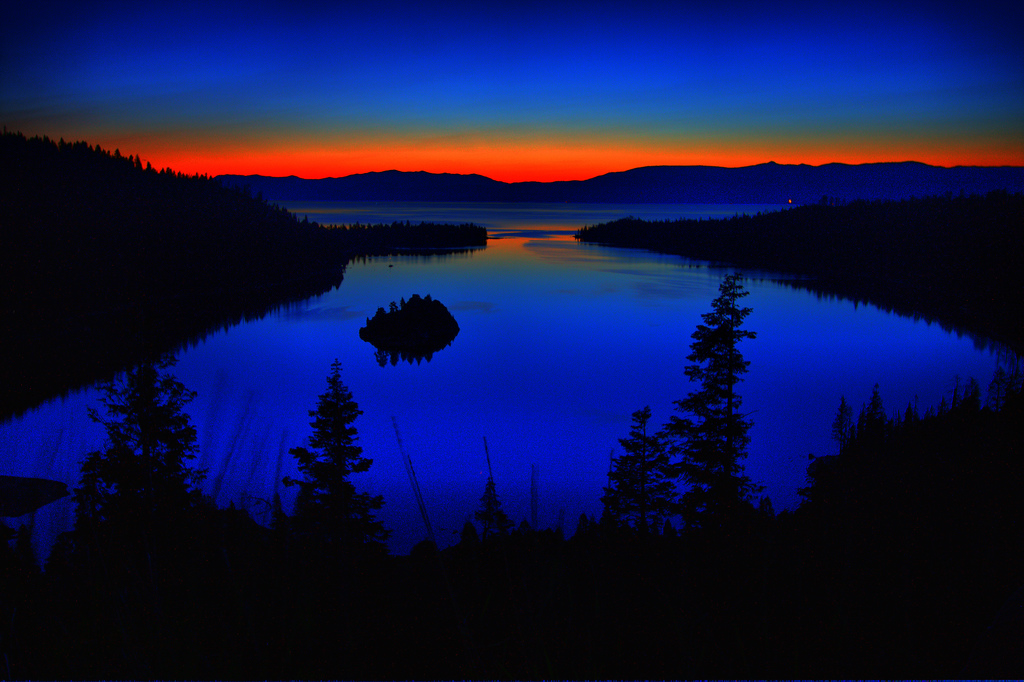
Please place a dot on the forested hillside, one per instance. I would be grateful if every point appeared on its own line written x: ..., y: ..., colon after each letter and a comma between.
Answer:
x: 105, y: 261
x: 766, y: 183
x: 950, y: 258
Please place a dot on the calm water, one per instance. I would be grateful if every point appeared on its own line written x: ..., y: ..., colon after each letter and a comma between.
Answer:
x: 560, y: 342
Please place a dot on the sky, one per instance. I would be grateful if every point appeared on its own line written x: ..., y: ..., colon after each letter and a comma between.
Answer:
x: 517, y: 91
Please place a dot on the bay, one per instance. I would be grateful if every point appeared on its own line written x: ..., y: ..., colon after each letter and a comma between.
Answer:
x: 560, y: 342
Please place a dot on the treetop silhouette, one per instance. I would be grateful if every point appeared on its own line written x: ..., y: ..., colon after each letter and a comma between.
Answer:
x: 142, y: 474
x: 328, y: 506
x: 641, y: 494
x: 711, y: 435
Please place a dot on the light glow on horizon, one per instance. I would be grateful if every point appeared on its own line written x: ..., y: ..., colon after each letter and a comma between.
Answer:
x: 517, y: 93
x: 540, y: 162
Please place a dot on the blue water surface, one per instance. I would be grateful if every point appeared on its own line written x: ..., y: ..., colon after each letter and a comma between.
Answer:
x: 560, y: 343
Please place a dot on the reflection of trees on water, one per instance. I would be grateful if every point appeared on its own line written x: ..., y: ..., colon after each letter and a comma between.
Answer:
x: 412, y: 330
x: 897, y: 255
x: 384, y: 357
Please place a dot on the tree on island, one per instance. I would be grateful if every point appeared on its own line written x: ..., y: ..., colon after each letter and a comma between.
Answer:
x: 141, y: 478
x: 711, y: 436
x: 328, y: 506
x: 641, y: 493
x: 410, y: 330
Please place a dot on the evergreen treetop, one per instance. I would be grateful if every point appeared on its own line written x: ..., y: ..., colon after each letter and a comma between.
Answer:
x: 490, y: 514
x: 711, y: 436
x: 142, y: 474
x: 328, y: 505
x: 640, y: 492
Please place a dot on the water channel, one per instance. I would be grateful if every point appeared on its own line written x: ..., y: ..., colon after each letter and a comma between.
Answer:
x: 560, y: 343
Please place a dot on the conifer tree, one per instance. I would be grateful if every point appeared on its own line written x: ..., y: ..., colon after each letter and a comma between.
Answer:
x: 142, y: 474
x: 711, y: 436
x: 842, y: 426
x: 871, y: 420
x: 328, y: 506
x: 640, y: 493
x: 490, y: 514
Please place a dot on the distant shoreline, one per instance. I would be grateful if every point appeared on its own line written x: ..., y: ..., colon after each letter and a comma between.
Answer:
x: 768, y: 183
x: 952, y: 259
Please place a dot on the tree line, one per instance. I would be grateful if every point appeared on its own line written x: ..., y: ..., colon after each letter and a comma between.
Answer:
x: 897, y: 563
x: 107, y: 262
x: 399, y: 237
x: 948, y: 258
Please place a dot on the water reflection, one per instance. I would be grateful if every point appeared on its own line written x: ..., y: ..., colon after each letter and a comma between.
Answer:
x: 510, y: 220
x: 411, y: 330
x: 385, y: 357
x: 559, y: 344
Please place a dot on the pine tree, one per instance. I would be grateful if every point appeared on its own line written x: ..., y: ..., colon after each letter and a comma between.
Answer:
x: 711, y: 436
x: 328, y: 506
x: 142, y: 476
x: 490, y: 514
x: 871, y: 421
x: 842, y: 426
x: 640, y: 492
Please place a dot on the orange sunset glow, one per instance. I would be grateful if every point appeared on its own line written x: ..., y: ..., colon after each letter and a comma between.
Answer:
x: 543, y: 162
x: 518, y: 95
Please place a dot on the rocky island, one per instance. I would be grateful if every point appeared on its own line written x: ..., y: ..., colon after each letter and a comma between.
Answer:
x: 410, y: 330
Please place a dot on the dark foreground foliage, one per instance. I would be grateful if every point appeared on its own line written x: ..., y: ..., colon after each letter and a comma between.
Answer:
x: 899, y: 564
x: 950, y: 258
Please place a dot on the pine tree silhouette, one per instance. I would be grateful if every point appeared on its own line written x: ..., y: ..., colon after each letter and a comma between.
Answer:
x: 640, y: 492
x: 328, y: 506
x: 711, y: 437
x: 142, y: 475
x: 490, y: 514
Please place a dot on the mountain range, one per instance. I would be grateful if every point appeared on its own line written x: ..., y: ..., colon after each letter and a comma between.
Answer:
x: 767, y: 183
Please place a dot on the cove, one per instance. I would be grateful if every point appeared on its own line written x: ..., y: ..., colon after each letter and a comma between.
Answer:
x: 559, y: 344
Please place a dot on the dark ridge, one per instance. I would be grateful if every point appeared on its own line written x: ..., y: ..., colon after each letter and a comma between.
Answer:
x: 950, y: 258
x: 106, y: 262
x: 767, y: 183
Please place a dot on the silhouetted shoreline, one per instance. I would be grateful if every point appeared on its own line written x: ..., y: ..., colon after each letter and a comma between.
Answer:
x: 766, y: 183
x: 106, y: 262
x: 903, y: 560
x: 952, y: 259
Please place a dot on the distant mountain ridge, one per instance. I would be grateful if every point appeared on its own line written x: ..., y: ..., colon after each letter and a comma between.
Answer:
x: 767, y: 183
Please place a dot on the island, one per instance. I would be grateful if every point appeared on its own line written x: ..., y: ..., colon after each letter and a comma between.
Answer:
x: 410, y: 330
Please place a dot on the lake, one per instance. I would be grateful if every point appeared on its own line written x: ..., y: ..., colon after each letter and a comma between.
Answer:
x: 560, y: 343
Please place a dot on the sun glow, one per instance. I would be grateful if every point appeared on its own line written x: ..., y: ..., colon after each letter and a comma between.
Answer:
x: 539, y: 161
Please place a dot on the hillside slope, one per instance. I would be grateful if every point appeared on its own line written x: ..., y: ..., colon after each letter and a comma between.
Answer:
x: 104, y: 262
x: 768, y: 183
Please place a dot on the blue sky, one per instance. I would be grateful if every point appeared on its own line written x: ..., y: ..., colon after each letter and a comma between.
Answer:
x: 518, y: 91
